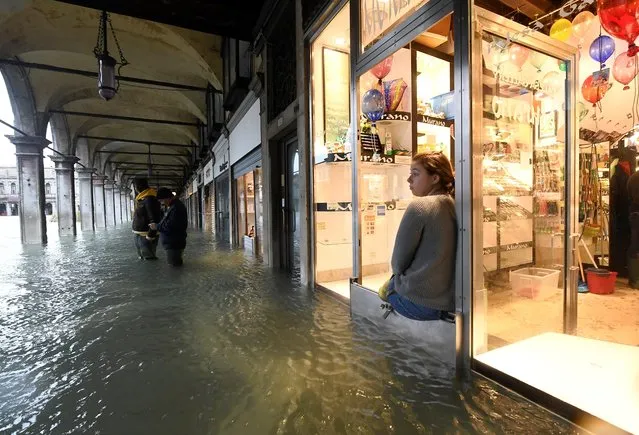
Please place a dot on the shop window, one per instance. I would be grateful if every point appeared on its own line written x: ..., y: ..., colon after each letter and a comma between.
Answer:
x: 538, y: 316
x: 332, y: 166
x: 378, y: 17
x: 13, y: 188
x: 405, y: 106
x: 249, y: 216
x: 237, y: 64
x: 47, y: 188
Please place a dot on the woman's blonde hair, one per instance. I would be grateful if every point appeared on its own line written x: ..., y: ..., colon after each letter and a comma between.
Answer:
x: 436, y: 163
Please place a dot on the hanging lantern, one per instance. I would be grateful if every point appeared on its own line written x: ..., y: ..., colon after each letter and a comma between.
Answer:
x: 107, y: 77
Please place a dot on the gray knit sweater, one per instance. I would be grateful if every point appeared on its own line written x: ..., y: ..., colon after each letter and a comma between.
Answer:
x: 424, y: 254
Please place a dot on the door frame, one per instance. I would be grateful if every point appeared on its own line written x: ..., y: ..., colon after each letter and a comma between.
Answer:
x: 222, y: 232
x: 485, y: 21
x: 286, y: 254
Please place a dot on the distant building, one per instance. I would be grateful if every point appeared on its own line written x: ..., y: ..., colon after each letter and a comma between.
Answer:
x: 10, y: 191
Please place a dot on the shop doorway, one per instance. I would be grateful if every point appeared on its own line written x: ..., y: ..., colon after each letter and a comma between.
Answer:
x: 290, y: 207
x: 222, y: 211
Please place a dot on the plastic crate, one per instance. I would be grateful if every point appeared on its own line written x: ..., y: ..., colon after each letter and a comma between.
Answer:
x: 534, y: 282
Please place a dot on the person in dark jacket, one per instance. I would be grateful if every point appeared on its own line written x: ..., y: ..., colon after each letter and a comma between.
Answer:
x: 173, y: 226
x: 147, y: 213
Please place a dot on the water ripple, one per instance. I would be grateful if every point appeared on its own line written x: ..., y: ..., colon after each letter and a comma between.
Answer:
x: 94, y: 341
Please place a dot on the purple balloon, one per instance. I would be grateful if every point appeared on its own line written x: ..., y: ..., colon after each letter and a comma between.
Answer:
x: 373, y: 105
x: 602, y: 48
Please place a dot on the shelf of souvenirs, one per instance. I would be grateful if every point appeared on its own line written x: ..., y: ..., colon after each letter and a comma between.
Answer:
x: 504, y: 185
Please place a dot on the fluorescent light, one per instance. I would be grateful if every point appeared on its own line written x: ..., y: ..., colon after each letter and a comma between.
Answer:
x: 340, y: 41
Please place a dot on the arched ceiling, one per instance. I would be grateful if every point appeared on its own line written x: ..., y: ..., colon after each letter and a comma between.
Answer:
x: 63, y: 35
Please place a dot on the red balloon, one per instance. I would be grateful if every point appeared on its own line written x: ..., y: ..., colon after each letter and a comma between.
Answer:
x: 593, y: 91
x: 625, y: 69
x: 619, y: 18
x: 382, y: 69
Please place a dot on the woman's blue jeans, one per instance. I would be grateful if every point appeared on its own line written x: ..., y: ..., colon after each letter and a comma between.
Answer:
x: 410, y: 309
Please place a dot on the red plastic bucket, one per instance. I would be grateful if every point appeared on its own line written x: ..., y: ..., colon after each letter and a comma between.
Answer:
x: 601, y: 281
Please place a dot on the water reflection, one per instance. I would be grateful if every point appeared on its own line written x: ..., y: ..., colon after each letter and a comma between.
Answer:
x: 93, y: 340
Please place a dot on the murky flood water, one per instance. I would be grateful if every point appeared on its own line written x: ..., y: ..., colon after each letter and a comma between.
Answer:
x: 93, y: 340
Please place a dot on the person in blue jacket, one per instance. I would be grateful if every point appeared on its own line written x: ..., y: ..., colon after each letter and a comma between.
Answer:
x: 172, y: 227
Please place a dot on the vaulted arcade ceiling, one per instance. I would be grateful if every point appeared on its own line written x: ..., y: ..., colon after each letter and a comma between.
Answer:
x: 54, y: 34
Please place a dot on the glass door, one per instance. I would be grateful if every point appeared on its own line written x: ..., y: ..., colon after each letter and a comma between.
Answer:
x: 520, y: 193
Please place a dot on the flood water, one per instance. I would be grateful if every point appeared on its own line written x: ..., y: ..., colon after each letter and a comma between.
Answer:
x: 93, y: 340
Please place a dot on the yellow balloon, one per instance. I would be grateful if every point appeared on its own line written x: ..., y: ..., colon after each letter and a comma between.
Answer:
x: 581, y: 23
x: 561, y: 30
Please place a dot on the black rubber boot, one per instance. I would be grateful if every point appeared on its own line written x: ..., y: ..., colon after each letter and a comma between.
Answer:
x: 633, y: 272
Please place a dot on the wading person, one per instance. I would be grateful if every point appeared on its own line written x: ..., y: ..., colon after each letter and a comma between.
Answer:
x: 147, y: 212
x: 423, y: 261
x: 172, y: 227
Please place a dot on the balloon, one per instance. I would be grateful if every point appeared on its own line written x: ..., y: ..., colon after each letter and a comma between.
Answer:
x: 592, y: 91
x: 562, y: 65
x: 602, y: 48
x: 561, y: 30
x: 552, y: 83
x: 581, y: 23
x: 382, y: 69
x: 393, y: 93
x: 582, y: 110
x: 619, y: 18
x: 496, y: 56
x: 625, y: 69
x: 373, y: 105
x: 538, y: 60
x: 518, y: 55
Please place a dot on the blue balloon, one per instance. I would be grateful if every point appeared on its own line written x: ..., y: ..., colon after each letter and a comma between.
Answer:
x: 602, y: 48
x: 373, y: 105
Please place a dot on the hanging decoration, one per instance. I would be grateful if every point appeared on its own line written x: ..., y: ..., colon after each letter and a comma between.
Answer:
x: 393, y: 93
x: 582, y: 110
x: 619, y: 18
x: 382, y: 69
x: 373, y: 105
x: 538, y: 60
x: 561, y: 30
x: 602, y: 48
x: 518, y: 55
x: 581, y: 25
x: 594, y: 90
x: 624, y: 69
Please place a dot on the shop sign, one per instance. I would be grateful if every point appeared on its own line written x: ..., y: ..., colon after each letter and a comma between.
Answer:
x: 377, y: 17
x: 224, y: 166
x: 208, y: 172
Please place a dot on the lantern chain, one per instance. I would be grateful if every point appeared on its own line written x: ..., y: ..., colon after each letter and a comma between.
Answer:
x: 123, y: 60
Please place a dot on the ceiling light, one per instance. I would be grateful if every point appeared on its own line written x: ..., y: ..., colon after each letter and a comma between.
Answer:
x: 107, y: 78
x: 340, y: 41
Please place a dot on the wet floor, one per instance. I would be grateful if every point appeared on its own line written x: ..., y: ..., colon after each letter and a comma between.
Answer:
x: 93, y: 340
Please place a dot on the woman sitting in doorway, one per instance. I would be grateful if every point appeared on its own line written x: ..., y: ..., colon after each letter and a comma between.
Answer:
x: 423, y: 262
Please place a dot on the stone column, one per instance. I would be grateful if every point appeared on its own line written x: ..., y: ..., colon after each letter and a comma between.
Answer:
x: 117, y: 198
x: 65, y: 199
x: 109, y: 203
x: 86, y: 198
x: 98, y: 201
x: 33, y: 224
